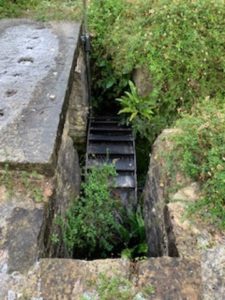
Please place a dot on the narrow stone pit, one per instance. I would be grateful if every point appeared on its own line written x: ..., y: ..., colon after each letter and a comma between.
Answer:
x: 40, y: 174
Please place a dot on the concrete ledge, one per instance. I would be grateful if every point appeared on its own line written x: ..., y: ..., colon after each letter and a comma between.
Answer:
x: 51, y: 279
x: 36, y: 65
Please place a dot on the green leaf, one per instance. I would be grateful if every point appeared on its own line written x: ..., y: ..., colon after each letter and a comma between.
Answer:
x: 133, y: 115
x: 126, y: 253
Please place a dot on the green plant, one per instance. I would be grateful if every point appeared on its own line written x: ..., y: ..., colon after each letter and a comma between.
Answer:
x: 134, y: 105
x: 96, y: 224
x: 89, y: 226
x: 200, y: 149
x: 132, y: 234
x: 59, y: 10
x: 41, y: 10
x: 54, y: 238
x: 6, y: 179
x: 11, y: 8
x: 148, y: 290
x: 37, y: 194
x: 102, y: 16
x: 179, y: 42
x: 138, y: 109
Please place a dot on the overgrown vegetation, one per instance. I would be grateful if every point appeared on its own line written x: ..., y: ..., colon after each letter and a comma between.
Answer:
x: 200, y: 150
x: 181, y: 43
x: 89, y: 227
x: 107, y: 85
x: 181, y: 46
x: 96, y: 225
x: 131, y: 232
x: 41, y: 9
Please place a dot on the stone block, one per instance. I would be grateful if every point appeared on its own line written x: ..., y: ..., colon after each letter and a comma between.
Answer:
x: 37, y: 63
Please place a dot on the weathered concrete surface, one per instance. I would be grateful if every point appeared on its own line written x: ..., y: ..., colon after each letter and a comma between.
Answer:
x: 51, y: 279
x: 155, y: 198
x: 28, y: 204
x: 213, y: 273
x: 67, y: 188
x: 170, y: 232
x: 20, y: 224
x: 36, y: 64
x: 173, y: 278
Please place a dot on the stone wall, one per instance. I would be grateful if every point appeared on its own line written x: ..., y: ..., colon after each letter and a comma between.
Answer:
x: 78, y: 102
x: 167, y: 278
x: 67, y: 188
x: 172, y: 233
x: 27, y: 223
x: 159, y: 233
x: 39, y: 165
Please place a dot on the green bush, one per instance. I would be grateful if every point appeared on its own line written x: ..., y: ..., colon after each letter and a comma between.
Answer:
x: 132, y: 234
x: 13, y: 8
x: 102, y: 17
x: 180, y: 42
x: 89, y: 226
x: 42, y: 9
x: 97, y: 225
x: 200, y: 149
x: 139, y: 111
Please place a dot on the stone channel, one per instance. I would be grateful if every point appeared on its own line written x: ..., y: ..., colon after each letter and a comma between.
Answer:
x: 43, y: 121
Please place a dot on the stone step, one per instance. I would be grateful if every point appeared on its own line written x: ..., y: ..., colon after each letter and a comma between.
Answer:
x: 110, y: 129
x: 110, y: 148
x: 125, y: 181
x: 111, y: 138
x: 121, y: 163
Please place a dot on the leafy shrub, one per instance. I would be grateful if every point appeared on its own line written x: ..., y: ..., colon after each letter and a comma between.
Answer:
x: 133, y: 236
x: 42, y: 10
x: 134, y: 105
x: 102, y: 18
x: 180, y: 42
x: 200, y: 149
x: 13, y: 8
x: 89, y: 227
x: 96, y: 224
x: 138, y: 110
